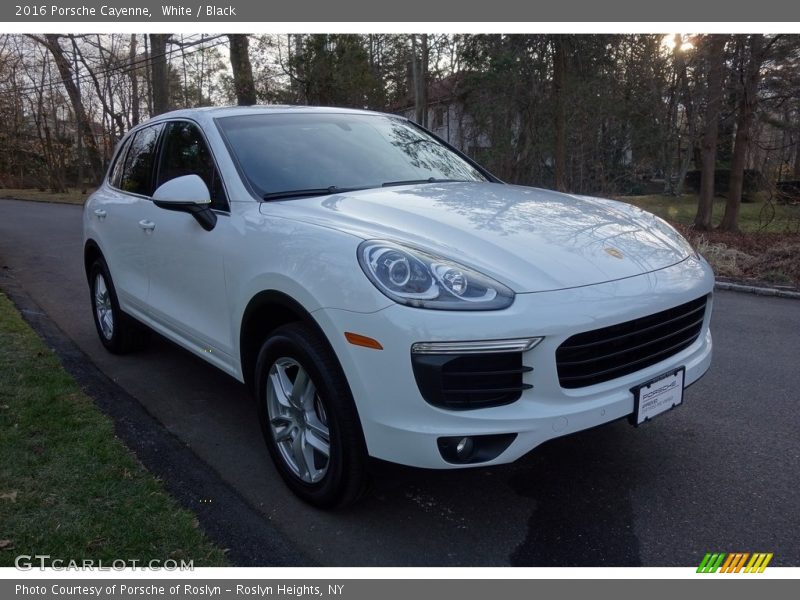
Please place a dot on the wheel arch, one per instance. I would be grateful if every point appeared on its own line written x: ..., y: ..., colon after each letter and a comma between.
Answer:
x: 91, y: 252
x: 265, y: 312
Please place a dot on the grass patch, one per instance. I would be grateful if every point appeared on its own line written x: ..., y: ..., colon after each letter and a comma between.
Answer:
x: 71, y: 196
x: 754, y: 216
x: 68, y: 487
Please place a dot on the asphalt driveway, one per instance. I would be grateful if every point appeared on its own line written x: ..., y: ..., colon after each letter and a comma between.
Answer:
x: 718, y: 474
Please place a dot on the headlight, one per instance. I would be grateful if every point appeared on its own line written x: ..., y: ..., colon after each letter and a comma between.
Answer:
x: 419, y: 279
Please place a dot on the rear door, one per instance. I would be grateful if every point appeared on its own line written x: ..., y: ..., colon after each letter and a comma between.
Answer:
x: 122, y: 218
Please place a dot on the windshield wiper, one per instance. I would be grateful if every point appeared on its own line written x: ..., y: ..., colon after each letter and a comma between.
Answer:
x: 307, y: 192
x: 413, y: 181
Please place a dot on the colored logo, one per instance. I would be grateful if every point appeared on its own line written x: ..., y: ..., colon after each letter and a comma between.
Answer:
x: 735, y: 562
x: 613, y: 252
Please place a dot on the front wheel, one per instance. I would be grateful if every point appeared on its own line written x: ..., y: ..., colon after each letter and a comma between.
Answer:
x: 308, y: 418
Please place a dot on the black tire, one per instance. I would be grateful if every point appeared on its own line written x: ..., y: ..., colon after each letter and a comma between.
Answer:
x: 345, y: 474
x: 125, y: 334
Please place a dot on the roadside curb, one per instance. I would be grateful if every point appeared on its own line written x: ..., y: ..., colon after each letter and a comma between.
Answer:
x: 759, y: 291
x: 247, y: 536
x: 44, y: 201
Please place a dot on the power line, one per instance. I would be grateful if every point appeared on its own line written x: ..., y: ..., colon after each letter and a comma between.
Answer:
x: 177, y: 47
x: 128, y: 67
x: 124, y: 68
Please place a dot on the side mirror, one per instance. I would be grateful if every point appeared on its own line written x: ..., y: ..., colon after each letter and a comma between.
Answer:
x: 188, y: 194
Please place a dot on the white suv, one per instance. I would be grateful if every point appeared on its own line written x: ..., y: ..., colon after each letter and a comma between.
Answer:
x: 383, y: 295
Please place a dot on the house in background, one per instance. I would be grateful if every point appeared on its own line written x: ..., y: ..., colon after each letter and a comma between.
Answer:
x: 447, y: 116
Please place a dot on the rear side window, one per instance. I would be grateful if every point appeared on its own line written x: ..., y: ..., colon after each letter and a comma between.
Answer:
x: 137, y: 175
x: 115, y: 178
x: 186, y: 153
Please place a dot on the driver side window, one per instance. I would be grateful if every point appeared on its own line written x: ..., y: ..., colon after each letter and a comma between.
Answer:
x: 185, y: 152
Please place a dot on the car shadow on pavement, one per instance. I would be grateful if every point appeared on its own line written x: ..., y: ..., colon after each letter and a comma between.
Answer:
x: 583, y: 513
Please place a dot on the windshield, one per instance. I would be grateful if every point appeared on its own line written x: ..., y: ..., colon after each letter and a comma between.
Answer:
x: 322, y: 152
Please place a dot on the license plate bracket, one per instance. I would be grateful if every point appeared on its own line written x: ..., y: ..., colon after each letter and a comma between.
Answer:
x: 658, y: 395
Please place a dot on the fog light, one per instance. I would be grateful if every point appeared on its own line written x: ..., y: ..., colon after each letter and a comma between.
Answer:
x: 474, y: 449
x: 464, y: 448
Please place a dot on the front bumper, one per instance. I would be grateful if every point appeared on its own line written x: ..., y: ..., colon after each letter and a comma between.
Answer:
x: 400, y: 426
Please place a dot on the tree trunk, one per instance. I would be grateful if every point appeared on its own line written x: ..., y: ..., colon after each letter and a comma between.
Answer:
x: 744, y: 122
x: 423, y: 82
x: 159, y: 85
x: 716, y: 66
x: 242, y: 70
x: 559, y: 72
x: 50, y: 41
x: 148, y: 79
x: 419, y: 66
x: 797, y: 157
x: 135, y: 116
x: 185, y: 87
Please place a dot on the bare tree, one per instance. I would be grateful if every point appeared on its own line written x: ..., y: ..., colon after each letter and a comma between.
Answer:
x: 84, y: 125
x: 716, y: 67
x: 39, y: 139
x: 103, y: 88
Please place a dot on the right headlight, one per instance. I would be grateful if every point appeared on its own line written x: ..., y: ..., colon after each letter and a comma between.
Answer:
x: 416, y: 278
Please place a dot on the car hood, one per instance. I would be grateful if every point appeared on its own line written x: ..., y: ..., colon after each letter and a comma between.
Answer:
x: 530, y: 239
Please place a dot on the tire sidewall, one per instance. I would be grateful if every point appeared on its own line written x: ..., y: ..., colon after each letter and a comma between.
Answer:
x: 287, y: 342
x: 113, y: 344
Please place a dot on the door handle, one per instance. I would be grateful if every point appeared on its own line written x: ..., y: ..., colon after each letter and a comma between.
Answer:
x: 147, y: 225
x: 100, y: 213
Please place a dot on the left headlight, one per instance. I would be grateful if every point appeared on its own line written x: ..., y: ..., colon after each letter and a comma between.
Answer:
x: 416, y: 278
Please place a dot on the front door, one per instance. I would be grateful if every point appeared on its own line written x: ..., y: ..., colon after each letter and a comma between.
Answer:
x: 187, y: 292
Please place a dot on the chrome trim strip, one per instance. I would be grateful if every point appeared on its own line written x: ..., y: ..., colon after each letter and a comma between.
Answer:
x: 476, y: 347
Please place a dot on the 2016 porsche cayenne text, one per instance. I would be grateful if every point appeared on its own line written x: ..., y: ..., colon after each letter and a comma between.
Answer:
x: 383, y: 295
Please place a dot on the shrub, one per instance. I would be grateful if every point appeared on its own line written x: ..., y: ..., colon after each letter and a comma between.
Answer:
x: 788, y: 191
x: 726, y: 261
x: 753, y: 182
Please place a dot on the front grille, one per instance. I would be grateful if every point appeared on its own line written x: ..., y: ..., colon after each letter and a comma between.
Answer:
x: 604, y: 354
x: 470, y: 381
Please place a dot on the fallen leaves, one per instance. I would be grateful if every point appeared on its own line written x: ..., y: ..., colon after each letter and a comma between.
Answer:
x: 12, y: 496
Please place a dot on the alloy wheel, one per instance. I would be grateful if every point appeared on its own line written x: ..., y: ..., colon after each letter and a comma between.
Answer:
x: 298, y: 420
x: 103, y: 308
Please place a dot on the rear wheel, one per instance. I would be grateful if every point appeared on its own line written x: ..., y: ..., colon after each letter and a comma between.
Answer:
x: 308, y: 418
x: 118, y: 332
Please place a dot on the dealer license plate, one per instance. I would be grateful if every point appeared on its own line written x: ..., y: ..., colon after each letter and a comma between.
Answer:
x: 657, y: 396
